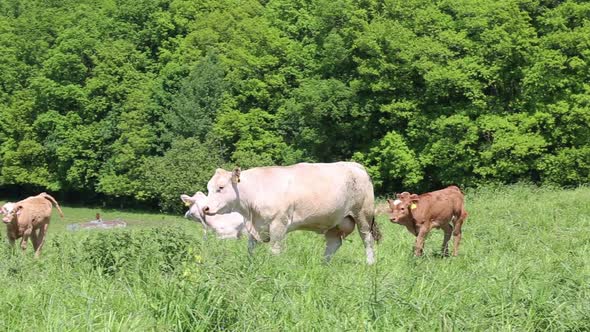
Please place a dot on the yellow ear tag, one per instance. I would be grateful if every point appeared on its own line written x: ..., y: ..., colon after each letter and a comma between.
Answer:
x: 187, y: 203
x: 413, y: 206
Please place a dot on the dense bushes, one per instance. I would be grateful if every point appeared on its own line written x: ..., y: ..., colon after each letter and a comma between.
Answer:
x: 121, y: 100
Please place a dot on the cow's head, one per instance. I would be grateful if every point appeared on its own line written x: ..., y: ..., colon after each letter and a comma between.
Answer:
x: 223, y: 192
x: 195, y: 206
x: 401, y: 208
x: 6, y: 208
x: 11, y: 215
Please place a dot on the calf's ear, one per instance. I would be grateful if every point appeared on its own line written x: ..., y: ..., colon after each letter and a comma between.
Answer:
x: 392, y: 203
x: 18, y: 210
x: 188, y: 201
x: 413, y: 199
x: 235, y: 177
x: 403, y: 195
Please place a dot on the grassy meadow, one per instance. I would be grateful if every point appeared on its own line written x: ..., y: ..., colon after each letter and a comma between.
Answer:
x: 524, y: 264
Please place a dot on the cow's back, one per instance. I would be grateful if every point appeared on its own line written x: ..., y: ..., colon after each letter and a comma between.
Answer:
x: 447, y: 202
x: 314, y: 182
x: 35, y: 209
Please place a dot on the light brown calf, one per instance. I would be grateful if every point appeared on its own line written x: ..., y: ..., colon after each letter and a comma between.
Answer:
x: 30, y: 217
x: 437, y: 209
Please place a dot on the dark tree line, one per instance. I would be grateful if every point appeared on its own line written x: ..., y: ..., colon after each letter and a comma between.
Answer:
x: 139, y: 100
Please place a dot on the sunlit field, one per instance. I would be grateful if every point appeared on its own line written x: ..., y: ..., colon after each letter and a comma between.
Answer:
x: 523, y: 265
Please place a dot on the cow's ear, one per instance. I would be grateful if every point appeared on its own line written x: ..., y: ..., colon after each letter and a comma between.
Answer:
x: 403, y: 195
x: 235, y: 177
x: 188, y: 201
x: 413, y: 201
x: 392, y: 203
x: 18, y: 210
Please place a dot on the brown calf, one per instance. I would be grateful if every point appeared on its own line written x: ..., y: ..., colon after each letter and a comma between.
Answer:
x: 30, y: 217
x: 437, y: 209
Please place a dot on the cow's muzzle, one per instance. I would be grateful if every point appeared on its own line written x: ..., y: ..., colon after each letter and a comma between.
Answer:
x: 207, y: 211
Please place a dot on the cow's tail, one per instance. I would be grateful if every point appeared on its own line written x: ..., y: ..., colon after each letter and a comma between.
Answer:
x: 52, y: 200
x: 375, y: 232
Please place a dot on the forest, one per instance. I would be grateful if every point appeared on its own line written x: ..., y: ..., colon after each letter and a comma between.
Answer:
x: 133, y: 102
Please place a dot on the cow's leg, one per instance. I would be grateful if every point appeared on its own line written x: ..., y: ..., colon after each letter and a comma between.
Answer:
x: 457, y: 232
x: 34, y: 239
x: 41, y: 239
x: 25, y: 238
x: 419, y: 247
x: 240, y: 231
x: 364, y: 229
x: 448, y: 229
x: 251, y: 244
x: 278, y: 230
x: 333, y: 242
x: 11, y: 241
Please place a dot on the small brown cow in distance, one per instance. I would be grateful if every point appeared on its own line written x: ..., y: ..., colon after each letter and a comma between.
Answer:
x: 437, y: 209
x: 29, y: 217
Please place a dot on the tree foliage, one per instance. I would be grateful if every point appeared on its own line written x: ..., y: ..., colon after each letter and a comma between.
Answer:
x: 120, y: 98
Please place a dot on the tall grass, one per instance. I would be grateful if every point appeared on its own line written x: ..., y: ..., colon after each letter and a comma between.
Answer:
x: 524, y: 265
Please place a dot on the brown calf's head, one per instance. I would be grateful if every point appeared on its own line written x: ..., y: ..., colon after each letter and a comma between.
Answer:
x: 12, y: 215
x: 401, y: 208
x: 6, y: 208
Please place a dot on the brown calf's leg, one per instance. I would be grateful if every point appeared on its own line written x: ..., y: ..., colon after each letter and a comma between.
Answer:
x: 448, y: 229
x: 25, y: 238
x: 419, y: 248
x: 41, y: 239
x: 457, y: 233
x: 11, y: 241
x: 34, y: 239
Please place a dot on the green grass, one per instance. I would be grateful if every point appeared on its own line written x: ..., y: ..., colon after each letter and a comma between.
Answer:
x: 524, y: 264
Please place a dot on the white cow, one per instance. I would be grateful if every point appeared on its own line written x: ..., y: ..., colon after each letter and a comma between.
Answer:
x: 329, y: 199
x: 226, y: 226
